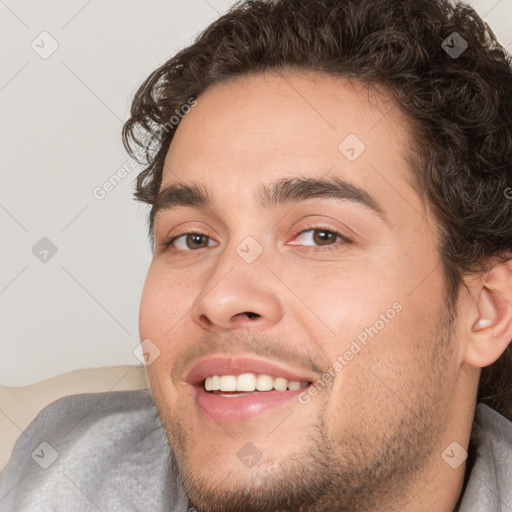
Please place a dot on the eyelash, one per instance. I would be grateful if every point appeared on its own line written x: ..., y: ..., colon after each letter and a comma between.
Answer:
x: 330, y: 247
x: 167, y: 245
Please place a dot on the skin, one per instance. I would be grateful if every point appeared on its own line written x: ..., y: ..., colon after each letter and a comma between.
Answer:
x: 373, y: 437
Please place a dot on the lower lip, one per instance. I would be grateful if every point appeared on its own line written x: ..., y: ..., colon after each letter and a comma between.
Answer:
x: 242, y: 407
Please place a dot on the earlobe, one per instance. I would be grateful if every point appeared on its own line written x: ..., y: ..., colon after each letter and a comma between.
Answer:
x: 491, y: 331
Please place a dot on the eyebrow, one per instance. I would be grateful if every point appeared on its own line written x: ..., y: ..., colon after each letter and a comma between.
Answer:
x: 282, y: 191
x: 288, y: 190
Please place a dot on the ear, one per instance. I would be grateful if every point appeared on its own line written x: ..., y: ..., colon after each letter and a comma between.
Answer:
x: 489, y: 329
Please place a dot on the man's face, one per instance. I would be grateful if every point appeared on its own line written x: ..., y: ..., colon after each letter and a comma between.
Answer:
x: 347, y: 290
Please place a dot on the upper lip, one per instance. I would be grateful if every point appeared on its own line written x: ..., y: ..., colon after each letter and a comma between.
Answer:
x: 225, y: 365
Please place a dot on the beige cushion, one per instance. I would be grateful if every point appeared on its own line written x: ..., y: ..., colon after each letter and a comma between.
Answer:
x: 19, y: 406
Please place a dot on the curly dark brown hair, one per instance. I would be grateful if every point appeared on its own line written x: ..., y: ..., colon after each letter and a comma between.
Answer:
x: 459, y: 106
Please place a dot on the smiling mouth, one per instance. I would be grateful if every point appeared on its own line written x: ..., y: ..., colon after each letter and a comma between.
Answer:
x: 237, y: 399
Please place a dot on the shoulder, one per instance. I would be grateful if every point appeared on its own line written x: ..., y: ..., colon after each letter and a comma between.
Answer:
x: 89, y: 451
x: 490, y: 481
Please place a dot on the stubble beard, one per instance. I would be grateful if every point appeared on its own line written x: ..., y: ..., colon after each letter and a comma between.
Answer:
x: 349, y: 473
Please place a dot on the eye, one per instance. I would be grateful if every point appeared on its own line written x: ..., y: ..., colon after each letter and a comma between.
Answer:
x: 190, y: 241
x: 318, y: 237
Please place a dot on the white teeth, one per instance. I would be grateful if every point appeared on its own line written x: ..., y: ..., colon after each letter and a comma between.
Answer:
x: 264, y: 383
x: 228, y: 383
x: 214, y: 382
x: 246, y: 382
x: 280, y: 384
x: 250, y: 382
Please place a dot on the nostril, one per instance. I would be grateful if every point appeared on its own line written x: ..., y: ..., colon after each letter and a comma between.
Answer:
x: 205, y: 320
x: 251, y: 315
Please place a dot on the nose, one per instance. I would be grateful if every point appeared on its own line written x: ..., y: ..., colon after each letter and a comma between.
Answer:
x: 237, y: 296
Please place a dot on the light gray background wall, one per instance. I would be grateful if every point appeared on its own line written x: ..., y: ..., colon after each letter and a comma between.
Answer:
x: 73, y: 266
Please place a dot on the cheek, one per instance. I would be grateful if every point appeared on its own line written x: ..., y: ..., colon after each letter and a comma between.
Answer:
x: 389, y: 373
x: 339, y: 300
x: 372, y: 312
x: 163, y: 315
x: 166, y: 298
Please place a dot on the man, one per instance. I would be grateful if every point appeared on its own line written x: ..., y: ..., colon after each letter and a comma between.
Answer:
x: 329, y: 306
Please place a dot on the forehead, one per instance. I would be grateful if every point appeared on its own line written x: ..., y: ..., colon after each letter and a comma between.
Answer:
x: 261, y: 127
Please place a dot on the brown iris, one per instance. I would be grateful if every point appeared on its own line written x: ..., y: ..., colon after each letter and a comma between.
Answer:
x: 322, y: 237
x: 196, y: 241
